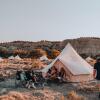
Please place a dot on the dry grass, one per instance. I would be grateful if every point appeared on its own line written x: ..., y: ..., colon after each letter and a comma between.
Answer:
x: 47, y: 95
x: 36, y: 63
x: 87, y: 87
x: 62, y: 98
x: 73, y: 96
x: 15, y: 96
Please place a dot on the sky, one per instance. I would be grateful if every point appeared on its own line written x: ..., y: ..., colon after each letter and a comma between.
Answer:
x: 35, y: 20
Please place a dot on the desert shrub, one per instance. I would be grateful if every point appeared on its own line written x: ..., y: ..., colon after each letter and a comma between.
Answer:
x: 36, y: 53
x: 22, y: 53
x: 11, y: 48
x: 53, y: 53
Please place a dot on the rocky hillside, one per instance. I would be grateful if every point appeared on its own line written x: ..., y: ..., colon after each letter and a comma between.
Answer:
x: 88, y: 46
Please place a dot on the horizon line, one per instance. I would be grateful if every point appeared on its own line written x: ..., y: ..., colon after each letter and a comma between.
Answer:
x: 49, y: 40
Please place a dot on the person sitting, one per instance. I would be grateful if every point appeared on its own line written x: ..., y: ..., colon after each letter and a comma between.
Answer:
x: 53, y: 73
x: 41, y: 80
x: 61, y: 75
x: 28, y: 78
x: 28, y: 75
x: 23, y: 78
x: 49, y: 73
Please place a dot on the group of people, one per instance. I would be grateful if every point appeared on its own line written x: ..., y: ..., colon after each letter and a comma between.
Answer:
x: 29, y: 78
x: 54, y: 75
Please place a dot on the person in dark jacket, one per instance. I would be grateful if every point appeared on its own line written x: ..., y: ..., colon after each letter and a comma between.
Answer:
x: 97, y: 69
x: 28, y: 75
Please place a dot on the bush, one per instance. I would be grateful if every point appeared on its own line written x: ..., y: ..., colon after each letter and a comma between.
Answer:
x: 36, y: 53
x: 54, y: 53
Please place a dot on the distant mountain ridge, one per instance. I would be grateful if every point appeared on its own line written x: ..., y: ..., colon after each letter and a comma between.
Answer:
x: 83, y: 45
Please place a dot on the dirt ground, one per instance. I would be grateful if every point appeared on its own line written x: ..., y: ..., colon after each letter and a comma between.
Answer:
x: 50, y: 92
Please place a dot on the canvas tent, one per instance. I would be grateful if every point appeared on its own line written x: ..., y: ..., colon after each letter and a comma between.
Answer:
x: 1, y: 59
x: 76, y: 68
x: 44, y: 58
x: 11, y: 58
x: 17, y: 57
